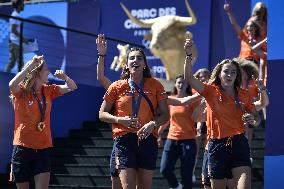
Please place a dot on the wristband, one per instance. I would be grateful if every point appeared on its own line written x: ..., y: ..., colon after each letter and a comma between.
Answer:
x: 262, y: 89
x: 101, y: 55
x: 188, y: 57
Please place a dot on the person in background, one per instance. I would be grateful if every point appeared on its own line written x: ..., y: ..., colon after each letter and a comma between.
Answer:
x: 259, y: 14
x: 181, y: 142
x: 253, y: 36
x: 105, y: 82
x: 255, y: 87
x: 14, y: 38
x: 229, y: 110
x: 32, y: 99
x: 203, y: 74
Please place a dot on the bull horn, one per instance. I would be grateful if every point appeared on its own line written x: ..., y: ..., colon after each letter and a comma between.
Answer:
x: 187, y: 21
x: 142, y: 23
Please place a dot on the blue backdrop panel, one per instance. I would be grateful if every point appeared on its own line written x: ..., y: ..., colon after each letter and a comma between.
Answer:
x: 275, y: 129
x: 273, y: 172
x: 81, y: 50
x: 275, y: 30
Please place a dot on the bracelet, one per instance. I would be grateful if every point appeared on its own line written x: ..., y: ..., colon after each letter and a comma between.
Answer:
x: 262, y: 89
x: 188, y: 57
x: 101, y: 55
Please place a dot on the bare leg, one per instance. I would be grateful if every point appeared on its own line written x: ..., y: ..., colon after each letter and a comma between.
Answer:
x: 207, y: 187
x: 243, y: 177
x: 116, y: 184
x: 42, y: 180
x: 128, y: 178
x: 218, y: 183
x: 23, y: 185
x: 144, y: 178
x: 231, y: 184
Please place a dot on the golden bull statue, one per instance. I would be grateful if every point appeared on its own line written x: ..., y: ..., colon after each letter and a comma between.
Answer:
x: 167, y: 37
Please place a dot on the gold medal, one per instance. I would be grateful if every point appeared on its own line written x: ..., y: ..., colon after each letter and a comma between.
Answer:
x: 40, y: 126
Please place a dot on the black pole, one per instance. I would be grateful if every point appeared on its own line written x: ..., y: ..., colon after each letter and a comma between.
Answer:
x: 20, y: 63
x: 71, y: 30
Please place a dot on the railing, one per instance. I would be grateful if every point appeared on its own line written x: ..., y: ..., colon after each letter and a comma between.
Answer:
x: 60, y: 45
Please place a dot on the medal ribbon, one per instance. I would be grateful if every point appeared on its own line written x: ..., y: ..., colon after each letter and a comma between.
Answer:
x: 42, y: 106
x: 136, y: 104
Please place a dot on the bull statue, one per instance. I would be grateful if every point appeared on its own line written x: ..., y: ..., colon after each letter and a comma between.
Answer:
x: 120, y: 60
x: 168, y: 34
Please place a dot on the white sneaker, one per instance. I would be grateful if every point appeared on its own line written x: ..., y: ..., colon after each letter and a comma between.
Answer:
x: 178, y: 187
x: 193, y: 178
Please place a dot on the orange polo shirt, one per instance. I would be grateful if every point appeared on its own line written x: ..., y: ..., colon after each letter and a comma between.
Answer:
x: 246, y: 52
x: 27, y: 117
x: 253, y: 90
x: 182, y: 125
x: 119, y: 93
x: 224, y: 118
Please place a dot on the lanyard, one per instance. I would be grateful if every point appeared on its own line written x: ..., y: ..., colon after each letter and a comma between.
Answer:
x: 42, y: 106
x: 238, y: 103
x: 136, y: 104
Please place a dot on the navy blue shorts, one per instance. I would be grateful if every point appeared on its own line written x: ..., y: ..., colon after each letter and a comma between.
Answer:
x: 27, y: 162
x: 226, y: 154
x: 129, y: 153
x: 204, y: 175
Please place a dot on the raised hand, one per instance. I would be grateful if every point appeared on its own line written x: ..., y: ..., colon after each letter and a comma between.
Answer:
x: 101, y: 44
x: 227, y: 7
x: 188, y: 47
x: 60, y: 75
x: 35, y: 62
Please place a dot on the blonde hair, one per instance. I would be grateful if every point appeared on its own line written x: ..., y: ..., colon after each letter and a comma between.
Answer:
x: 201, y: 70
x: 29, y: 81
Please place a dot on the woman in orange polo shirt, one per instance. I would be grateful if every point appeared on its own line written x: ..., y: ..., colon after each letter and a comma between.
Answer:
x: 135, y: 99
x: 32, y: 99
x: 229, y: 110
x: 181, y: 140
x: 251, y: 34
x: 255, y: 87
